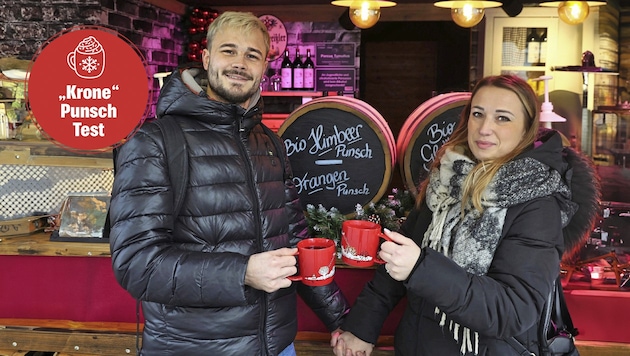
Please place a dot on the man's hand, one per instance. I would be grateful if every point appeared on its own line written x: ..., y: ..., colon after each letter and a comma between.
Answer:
x: 268, y: 271
x: 346, y: 344
x: 401, y: 255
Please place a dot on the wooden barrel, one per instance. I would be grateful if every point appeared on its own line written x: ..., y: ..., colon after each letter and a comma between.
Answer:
x: 342, y: 152
x: 424, y: 132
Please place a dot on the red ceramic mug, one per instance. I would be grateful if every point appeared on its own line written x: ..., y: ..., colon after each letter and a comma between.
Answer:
x: 316, y: 261
x: 360, y: 240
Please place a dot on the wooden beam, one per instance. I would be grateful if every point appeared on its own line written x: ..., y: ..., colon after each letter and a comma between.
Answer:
x: 170, y: 5
x: 331, y: 13
x: 321, y: 13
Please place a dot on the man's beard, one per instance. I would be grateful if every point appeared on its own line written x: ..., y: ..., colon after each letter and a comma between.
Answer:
x: 223, y: 92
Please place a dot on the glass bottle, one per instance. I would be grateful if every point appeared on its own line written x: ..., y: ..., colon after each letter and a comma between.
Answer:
x: 298, y: 71
x: 275, y: 82
x: 309, y: 72
x: 286, y: 71
x: 532, y: 48
x: 264, y: 83
x: 543, y: 47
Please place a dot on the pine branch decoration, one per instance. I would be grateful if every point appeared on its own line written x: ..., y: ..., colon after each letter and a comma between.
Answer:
x: 325, y: 223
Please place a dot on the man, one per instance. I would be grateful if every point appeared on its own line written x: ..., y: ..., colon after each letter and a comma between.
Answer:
x: 213, y: 280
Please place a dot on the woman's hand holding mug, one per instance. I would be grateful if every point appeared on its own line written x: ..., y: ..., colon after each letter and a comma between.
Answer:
x: 400, y: 254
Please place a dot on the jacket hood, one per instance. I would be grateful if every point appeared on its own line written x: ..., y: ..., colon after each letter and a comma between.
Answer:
x: 183, y: 94
x: 579, y: 173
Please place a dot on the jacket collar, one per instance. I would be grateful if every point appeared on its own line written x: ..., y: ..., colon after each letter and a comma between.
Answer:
x: 183, y: 95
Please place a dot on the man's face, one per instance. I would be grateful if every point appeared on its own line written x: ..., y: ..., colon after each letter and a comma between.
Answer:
x: 235, y: 64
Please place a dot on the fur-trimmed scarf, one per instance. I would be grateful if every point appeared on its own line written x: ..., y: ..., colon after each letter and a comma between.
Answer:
x: 470, y: 237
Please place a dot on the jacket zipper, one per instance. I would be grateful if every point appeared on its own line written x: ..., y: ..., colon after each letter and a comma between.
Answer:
x: 242, y: 139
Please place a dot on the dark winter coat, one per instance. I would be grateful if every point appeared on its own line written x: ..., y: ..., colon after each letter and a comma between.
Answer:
x: 190, y: 277
x: 506, y: 302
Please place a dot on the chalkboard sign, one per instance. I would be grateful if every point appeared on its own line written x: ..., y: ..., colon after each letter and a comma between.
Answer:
x: 340, y: 153
x: 424, y: 132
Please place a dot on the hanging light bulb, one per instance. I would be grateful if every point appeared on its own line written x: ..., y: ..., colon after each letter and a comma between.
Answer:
x: 467, y: 16
x: 573, y: 12
x: 467, y: 13
x: 364, y: 13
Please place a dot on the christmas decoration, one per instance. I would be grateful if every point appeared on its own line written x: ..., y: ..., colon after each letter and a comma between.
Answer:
x: 389, y: 212
x: 195, y: 25
x: 325, y: 223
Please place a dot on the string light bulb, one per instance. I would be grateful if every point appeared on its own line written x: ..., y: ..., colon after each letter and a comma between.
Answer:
x: 364, y: 13
x: 573, y: 12
x: 467, y: 13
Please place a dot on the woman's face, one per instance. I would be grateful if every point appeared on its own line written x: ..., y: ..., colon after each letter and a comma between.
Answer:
x: 496, y: 124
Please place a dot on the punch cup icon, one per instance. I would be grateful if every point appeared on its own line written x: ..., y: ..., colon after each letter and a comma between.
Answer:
x: 88, y: 58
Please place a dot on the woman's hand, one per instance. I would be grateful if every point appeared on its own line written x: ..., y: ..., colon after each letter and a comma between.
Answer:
x: 346, y: 344
x: 400, y: 255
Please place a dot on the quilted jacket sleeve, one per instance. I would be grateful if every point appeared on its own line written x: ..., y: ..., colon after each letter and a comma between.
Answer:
x: 145, y: 262
x: 328, y: 302
x: 377, y: 299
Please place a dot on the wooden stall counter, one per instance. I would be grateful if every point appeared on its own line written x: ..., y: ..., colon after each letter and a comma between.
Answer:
x: 63, y: 297
x: 39, y: 244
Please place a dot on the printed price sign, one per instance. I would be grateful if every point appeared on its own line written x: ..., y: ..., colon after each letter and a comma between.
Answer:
x: 88, y: 88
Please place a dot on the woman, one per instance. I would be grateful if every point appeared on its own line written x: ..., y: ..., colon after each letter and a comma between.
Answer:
x: 478, y: 256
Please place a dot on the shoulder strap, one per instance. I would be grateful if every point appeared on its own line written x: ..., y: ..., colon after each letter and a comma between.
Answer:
x: 562, y: 318
x: 516, y: 345
x: 279, y: 148
x: 555, y: 316
x: 177, y: 158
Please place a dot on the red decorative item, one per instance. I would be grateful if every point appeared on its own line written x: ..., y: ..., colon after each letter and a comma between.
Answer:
x: 198, y: 22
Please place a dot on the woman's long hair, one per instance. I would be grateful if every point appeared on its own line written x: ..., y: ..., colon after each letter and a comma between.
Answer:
x: 483, y: 172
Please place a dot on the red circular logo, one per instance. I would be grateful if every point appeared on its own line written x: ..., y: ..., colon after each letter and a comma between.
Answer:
x: 88, y: 88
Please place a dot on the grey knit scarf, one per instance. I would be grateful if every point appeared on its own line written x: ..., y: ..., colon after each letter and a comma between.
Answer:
x: 471, y: 240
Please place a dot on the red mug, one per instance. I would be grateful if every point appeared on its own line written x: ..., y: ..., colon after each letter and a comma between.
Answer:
x: 316, y: 261
x: 360, y: 240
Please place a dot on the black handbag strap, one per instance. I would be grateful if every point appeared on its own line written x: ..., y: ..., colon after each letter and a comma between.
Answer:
x: 559, y: 314
x: 516, y: 345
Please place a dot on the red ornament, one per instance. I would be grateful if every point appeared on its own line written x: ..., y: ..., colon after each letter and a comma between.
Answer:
x: 192, y: 31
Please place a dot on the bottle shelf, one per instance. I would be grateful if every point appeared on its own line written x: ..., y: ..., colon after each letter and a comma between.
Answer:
x: 311, y: 94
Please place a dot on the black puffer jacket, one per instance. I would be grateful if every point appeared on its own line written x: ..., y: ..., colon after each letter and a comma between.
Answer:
x: 190, y: 275
x: 506, y: 302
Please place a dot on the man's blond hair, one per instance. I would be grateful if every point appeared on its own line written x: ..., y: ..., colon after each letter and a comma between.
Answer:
x: 238, y: 21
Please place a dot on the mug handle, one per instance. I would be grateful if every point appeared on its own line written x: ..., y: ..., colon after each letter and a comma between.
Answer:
x: 377, y: 259
x: 70, y: 59
x: 296, y: 277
